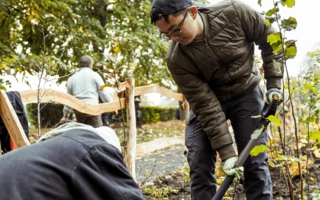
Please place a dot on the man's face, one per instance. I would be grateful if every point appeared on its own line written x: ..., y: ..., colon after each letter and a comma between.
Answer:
x: 180, y: 28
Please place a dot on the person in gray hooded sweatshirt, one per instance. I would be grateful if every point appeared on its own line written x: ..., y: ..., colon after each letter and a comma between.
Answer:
x: 73, y: 161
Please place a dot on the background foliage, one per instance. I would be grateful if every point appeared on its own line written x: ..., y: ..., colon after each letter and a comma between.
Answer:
x: 54, y: 34
x: 52, y: 119
x: 153, y: 114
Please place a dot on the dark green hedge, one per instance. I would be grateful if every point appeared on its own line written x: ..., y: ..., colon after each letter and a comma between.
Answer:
x: 153, y: 114
x: 51, y: 113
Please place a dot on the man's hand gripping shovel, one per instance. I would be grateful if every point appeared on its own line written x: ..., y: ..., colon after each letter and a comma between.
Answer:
x: 269, y: 110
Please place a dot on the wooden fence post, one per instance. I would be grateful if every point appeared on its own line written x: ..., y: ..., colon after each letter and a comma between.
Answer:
x: 11, y: 122
x: 131, y: 123
x: 186, y: 108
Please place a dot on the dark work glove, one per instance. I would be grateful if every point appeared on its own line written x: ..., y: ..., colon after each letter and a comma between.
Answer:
x: 274, y: 91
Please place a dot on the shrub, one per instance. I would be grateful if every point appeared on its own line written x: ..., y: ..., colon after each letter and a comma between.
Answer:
x: 153, y: 114
x: 50, y: 114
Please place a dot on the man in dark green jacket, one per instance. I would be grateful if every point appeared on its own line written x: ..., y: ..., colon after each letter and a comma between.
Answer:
x: 211, y: 59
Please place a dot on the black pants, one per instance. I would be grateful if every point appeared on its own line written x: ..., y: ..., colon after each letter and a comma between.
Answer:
x: 94, y: 121
x: 201, y: 157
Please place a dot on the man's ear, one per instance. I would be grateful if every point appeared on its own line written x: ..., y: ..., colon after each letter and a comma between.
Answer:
x: 194, y: 11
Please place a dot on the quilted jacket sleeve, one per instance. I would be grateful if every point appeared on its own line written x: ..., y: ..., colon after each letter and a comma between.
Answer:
x: 257, y: 30
x: 203, y: 103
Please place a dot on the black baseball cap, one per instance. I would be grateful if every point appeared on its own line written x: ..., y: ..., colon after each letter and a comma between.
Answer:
x: 163, y: 8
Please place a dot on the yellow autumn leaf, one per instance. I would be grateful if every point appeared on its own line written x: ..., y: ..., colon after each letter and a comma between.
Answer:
x: 80, y: 29
x: 30, y: 17
x: 294, y: 169
x: 37, y: 15
x: 311, y: 179
x: 3, y: 65
x: 33, y: 15
x: 117, y: 48
x: 219, y: 181
x: 218, y: 172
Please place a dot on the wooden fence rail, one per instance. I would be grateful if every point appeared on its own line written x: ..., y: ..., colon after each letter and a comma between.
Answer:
x: 130, y: 152
x: 30, y: 96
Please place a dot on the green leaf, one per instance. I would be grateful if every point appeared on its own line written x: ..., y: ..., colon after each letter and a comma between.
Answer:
x: 289, y: 24
x: 272, y: 11
x: 271, y: 164
x: 282, y: 158
x: 288, y: 3
x: 270, y: 20
x: 290, y: 43
x: 307, y: 120
x: 259, y: 2
x: 315, y: 136
x: 258, y: 149
x: 274, y: 120
x: 276, y: 48
x: 274, y: 38
x: 290, y: 52
x: 308, y: 86
x: 74, y: 28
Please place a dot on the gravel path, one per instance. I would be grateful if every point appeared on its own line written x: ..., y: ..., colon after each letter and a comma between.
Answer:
x: 161, y: 162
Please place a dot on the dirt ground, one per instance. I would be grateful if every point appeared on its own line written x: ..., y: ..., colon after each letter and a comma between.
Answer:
x: 176, y: 180
x: 170, y: 180
x: 168, y: 173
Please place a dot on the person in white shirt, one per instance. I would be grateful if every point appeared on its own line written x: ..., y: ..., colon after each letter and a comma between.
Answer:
x: 85, y: 85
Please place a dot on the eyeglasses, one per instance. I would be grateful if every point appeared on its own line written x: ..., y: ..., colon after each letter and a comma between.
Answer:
x: 175, y: 33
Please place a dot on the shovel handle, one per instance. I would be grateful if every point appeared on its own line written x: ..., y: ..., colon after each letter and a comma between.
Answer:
x: 270, y: 110
x: 223, y: 188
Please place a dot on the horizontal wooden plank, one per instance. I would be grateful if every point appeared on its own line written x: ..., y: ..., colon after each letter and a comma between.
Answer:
x: 49, y: 95
x: 154, y: 88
